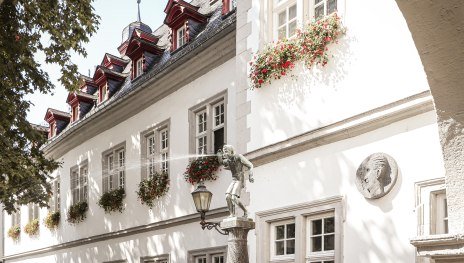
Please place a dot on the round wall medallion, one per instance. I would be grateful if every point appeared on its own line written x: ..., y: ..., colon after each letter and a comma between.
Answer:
x: 376, y: 175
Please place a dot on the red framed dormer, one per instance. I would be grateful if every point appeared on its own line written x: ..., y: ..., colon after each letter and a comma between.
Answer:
x: 80, y: 103
x: 87, y: 85
x: 143, y: 51
x: 228, y: 6
x: 180, y: 17
x: 114, y: 63
x: 57, y: 121
x: 107, y: 81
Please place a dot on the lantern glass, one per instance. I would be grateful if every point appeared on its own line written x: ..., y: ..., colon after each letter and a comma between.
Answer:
x: 202, y: 198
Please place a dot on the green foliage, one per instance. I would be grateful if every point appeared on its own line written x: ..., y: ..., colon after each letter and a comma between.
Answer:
x: 52, y: 220
x: 32, y: 228
x: 14, y: 232
x: 77, y: 212
x: 202, y: 169
x: 153, y: 188
x: 29, y: 27
x: 112, y: 201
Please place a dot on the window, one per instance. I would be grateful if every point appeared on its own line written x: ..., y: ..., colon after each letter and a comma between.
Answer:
x: 321, y: 237
x: 139, y: 67
x: 103, y: 92
x: 164, y: 149
x: 155, y: 150
x: 439, y: 212
x: 208, y: 255
x: 159, y: 259
x: 431, y: 207
x: 114, y: 168
x: 282, y: 17
x: 33, y: 211
x: 79, y: 183
x: 16, y: 217
x: 283, y: 239
x: 323, y: 8
x: 286, y: 19
x: 181, y: 36
x: 52, y: 130
x: 309, y: 231
x: 55, y: 198
x: 209, y: 126
x: 75, y: 113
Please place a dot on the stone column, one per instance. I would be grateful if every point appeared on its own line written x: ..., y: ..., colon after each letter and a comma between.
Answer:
x: 237, y: 248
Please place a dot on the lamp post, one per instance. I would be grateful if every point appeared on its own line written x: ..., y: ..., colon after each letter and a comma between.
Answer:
x: 236, y: 227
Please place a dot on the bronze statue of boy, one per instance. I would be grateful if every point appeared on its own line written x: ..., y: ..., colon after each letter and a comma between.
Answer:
x: 236, y: 163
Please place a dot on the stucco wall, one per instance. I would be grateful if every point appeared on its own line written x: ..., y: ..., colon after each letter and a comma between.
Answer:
x: 374, y: 64
x: 178, y: 201
x: 375, y: 231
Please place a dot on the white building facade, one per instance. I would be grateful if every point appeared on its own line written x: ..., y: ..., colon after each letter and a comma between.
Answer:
x: 184, y: 90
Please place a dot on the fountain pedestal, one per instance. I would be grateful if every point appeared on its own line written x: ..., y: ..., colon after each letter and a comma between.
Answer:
x: 237, y: 227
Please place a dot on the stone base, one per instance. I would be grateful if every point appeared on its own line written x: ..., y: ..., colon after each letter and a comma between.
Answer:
x: 448, y: 248
x: 238, y: 227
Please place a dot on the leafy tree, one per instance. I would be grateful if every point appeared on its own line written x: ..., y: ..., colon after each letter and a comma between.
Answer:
x: 55, y: 28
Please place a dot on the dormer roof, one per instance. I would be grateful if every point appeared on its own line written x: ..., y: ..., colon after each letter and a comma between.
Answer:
x: 177, y: 11
x: 85, y: 83
x: 109, y: 60
x: 78, y: 96
x: 53, y: 114
x: 145, y: 41
x: 104, y: 72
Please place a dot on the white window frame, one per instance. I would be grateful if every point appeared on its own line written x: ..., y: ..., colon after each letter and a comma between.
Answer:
x: 75, y: 113
x: 207, y: 253
x: 284, y: 6
x: 155, y: 157
x: 139, y: 67
x: 165, y: 258
x: 16, y: 217
x: 299, y: 213
x: 81, y: 172
x: 105, y: 96
x: 324, y: 255
x: 424, y: 206
x: 313, y: 6
x: 439, y: 209
x: 285, y: 256
x: 201, y: 141
x: 34, y: 211
x: 55, y: 199
x: 114, y: 168
x: 181, y: 36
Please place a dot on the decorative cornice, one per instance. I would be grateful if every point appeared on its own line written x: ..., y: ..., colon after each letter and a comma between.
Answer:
x: 348, y: 128
x: 447, y: 246
x: 191, y: 218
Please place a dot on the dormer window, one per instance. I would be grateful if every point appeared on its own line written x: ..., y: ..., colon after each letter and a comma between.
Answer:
x: 181, y: 39
x: 51, y: 132
x: 75, y: 113
x: 103, y: 92
x: 139, y: 67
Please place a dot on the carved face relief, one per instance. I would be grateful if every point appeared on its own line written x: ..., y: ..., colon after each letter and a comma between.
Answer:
x: 376, y: 175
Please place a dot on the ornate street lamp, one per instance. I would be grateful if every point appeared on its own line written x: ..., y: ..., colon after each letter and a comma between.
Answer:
x: 202, y: 199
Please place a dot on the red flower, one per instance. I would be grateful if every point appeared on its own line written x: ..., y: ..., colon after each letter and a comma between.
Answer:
x: 283, y: 73
x: 260, y: 81
x: 264, y: 71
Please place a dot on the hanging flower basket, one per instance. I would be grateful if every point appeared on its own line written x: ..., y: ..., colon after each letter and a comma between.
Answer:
x: 112, y: 201
x: 14, y: 232
x: 202, y: 169
x: 77, y: 212
x: 309, y: 45
x: 32, y: 228
x: 153, y: 188
x: 52, y: 220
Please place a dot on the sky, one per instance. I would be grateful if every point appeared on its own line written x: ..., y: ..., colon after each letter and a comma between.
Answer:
x: 114, y: 16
